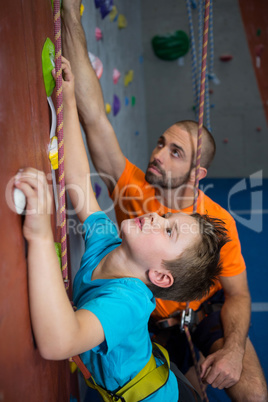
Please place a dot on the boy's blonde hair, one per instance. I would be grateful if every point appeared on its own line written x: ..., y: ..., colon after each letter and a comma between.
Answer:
x: 198, y: 267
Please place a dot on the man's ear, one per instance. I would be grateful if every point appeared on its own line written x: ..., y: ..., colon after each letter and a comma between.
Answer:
x: 163, y: 279
x: 202, y: 174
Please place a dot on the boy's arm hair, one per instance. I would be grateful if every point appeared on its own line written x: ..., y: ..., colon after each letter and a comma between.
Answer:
x: 103, y: 145
x: 77, y: 170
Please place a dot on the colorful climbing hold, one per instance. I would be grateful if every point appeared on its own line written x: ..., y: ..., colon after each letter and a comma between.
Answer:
x: 116, y: 75
x: 105, y: 7
x: 98, y: 33
x: 48, y: 55
x: 225, y: 141
x: 97, y: 190
x: 113, y: 15
x: 126, y: 101
x: 108, y: 108
x: 122, y: 21
x: 19, y: 201
x: 116, y: 105
x: 53, y: 153
x: 133, y: 101
x: 58, y: 251
x: 82, y: 9
x: 96, y: 64
x: 226, y: 57
x: 171, y: 46
x: 128, y: 77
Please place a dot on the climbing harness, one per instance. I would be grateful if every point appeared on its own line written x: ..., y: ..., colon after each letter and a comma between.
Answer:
x: 149, y: 380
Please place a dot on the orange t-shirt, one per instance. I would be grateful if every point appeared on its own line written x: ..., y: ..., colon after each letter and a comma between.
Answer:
x: 133, y: 196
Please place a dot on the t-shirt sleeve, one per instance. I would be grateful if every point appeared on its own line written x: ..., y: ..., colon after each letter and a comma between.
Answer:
x: 231, y: 257
x: 120, y: 308
x: 100, y: 234
x: 126, y: 178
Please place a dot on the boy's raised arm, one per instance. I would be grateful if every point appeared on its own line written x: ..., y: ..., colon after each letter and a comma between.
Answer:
x: 104, y: 149
x: 77, y: 171
x: 59, y: 331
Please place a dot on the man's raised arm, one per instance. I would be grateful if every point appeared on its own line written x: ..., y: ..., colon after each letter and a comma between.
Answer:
x: 104, y: 149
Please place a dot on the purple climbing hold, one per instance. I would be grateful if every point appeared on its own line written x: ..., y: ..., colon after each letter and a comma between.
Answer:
x: 97, y: 190
x: 105, y: 6
x: 116, y: 105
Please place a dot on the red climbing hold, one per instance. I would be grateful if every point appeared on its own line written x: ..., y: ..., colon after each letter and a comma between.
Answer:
x: 226, y: 57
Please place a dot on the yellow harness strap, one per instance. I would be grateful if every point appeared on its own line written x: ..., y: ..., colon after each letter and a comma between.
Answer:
x: 145, y: 383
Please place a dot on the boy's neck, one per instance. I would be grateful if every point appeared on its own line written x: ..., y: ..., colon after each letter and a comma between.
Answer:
x: 117, y: 265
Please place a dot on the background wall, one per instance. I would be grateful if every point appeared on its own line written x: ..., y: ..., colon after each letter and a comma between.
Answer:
x: 237, y: 108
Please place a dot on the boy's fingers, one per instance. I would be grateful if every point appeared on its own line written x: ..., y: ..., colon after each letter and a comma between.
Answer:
x: 27, y: 190
x: 65, y: 61
x: 33, y: 177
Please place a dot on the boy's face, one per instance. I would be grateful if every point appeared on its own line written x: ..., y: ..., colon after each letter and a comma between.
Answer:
x: 150, y: 239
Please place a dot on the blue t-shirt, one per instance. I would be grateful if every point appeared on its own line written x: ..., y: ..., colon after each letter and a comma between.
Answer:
x: 123, y: 306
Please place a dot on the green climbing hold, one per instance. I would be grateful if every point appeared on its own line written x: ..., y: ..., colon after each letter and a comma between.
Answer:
x: 171, y: 46
x: 58, y: 251
x: 48, y: 55
x: 133, y: 101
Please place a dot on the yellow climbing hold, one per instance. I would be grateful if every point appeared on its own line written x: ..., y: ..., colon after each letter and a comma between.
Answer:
x: 108, y: 108
x: 128, y: 77
x: 113, y: 13
x: 122, y: 21
x: 82, y: 8
x: 53, y: 153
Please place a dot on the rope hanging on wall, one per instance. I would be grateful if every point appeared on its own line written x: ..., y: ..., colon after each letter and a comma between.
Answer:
x: 197, y: 62
x: 198, y: 154
x: 201, y: 101
x: 59, y: 111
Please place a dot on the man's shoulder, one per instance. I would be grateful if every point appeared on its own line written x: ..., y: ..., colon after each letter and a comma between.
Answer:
x: 210, y: 207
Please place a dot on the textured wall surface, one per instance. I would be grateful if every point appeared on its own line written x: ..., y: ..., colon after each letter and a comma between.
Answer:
x: 24, y: 127
x: 236, y: 103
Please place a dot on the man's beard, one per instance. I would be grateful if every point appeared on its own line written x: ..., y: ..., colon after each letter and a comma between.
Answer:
x: 163, y: 180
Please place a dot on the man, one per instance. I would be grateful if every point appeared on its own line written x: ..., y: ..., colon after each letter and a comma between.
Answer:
x: 232, y: 363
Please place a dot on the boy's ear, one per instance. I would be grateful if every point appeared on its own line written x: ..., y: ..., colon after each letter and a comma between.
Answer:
x: 163, y: 279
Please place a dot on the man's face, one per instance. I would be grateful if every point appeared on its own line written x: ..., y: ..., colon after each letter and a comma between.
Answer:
x: 172, y: 159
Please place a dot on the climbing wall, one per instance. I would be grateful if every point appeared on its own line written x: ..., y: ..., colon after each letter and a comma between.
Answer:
x: 24, y: 127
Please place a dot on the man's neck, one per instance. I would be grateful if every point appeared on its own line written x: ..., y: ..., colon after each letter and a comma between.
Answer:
x: 178, y: 198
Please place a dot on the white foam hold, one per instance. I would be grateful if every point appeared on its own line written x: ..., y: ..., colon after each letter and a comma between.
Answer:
x: 19, y: 201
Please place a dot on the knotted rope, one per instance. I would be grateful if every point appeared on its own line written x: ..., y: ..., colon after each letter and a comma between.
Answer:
x: 59, y: 111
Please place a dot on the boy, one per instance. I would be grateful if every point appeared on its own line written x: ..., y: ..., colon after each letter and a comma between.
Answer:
x: 176, y: 257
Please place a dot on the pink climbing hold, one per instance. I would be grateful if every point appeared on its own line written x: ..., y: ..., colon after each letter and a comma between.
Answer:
x: 98, y: 33
x: 116, y: 75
